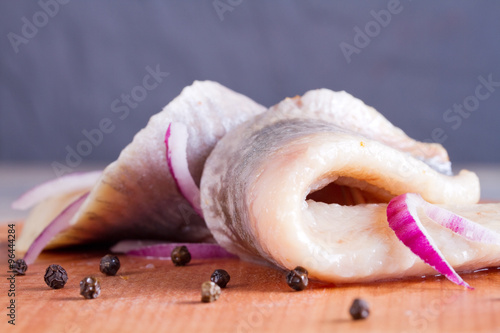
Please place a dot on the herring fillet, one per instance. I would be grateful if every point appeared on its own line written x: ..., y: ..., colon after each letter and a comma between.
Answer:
x: 258, y: 183
x: 136, y: 195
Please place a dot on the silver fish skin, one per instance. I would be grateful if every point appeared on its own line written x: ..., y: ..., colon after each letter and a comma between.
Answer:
x: 136, y: 196
x: 264, y: 186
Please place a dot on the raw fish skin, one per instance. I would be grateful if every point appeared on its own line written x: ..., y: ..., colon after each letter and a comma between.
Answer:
x: 342, y: 109
x: 136, y: 196
x: 256, y: 183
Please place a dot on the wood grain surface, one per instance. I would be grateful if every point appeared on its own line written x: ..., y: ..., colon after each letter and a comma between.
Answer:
x: 155, y: 296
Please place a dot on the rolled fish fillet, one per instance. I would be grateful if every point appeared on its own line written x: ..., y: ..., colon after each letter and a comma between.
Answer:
x: 300, y: 185
x: 136, y: 196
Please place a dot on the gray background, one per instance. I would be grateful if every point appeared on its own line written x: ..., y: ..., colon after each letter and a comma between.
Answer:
x: 66, y: 77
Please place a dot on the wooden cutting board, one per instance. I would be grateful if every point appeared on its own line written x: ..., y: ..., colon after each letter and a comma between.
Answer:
x: 155, y: 296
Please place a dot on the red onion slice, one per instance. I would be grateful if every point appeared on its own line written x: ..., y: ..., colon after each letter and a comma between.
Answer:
x: 60, y: 223
x: 176, y: 147
x: 460, y: 225
x: 403, y: 219
x: 58, y: 186
x: 163, y: 250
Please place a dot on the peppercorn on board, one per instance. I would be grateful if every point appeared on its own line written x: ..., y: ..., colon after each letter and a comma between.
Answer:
x: 272, y: 185
x: 161, y: 297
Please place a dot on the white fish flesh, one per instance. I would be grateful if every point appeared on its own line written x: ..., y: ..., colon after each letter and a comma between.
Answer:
x: 136, y: 196
x: 307, y: 184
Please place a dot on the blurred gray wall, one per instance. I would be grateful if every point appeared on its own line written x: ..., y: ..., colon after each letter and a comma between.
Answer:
x: 67, y: 67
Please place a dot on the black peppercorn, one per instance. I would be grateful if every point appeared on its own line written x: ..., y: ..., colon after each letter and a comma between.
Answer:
x: 220, y: 277
x: 210, y: 292
x: 19, y: 267
x: 109, y: 264
x: 297, y: 278
x: 90, y: 287
x: 55, y: 276
x: 180, y: 256
x: 359, y: 309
